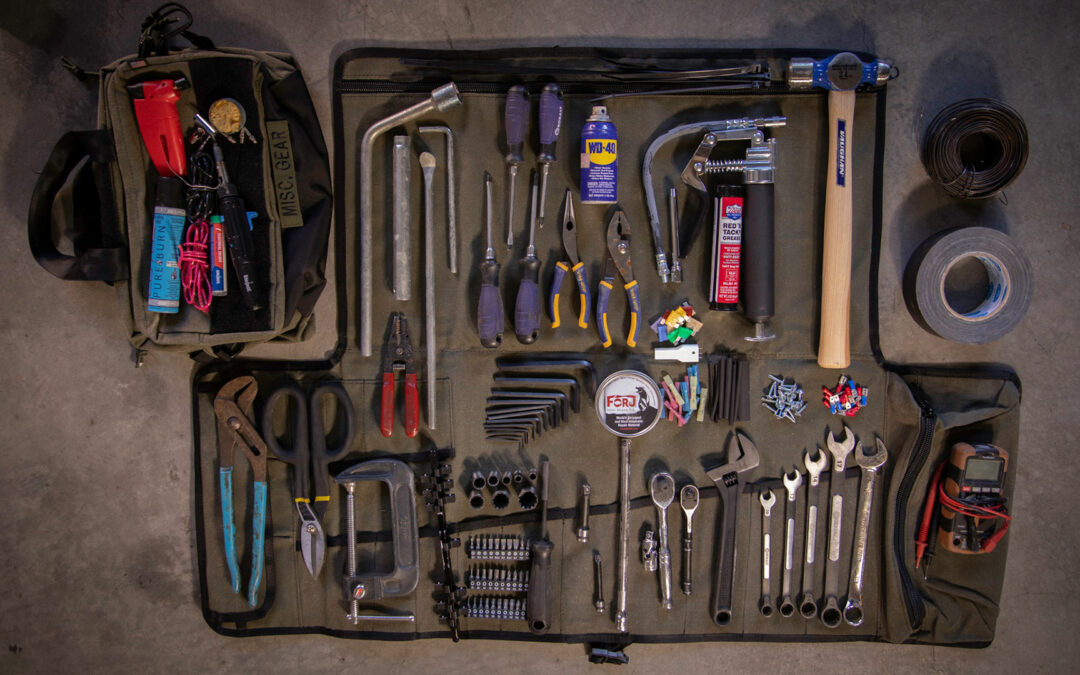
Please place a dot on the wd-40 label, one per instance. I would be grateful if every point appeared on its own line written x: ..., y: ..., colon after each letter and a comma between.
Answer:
x: 599, y: 159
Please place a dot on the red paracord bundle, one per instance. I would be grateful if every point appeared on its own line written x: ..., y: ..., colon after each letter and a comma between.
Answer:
x: 195, y: 265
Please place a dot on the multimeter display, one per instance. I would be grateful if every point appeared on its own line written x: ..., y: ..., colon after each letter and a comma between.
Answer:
x: 983, y: 470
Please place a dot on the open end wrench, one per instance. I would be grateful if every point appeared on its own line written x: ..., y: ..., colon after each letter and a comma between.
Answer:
x: 814, y: 466
x: 767, y: 499
x: 792, y: 481
x: 831, y: 615
x: 662, y: 489
x: 869, y: 465
x: 726, y: 477
x: 688, y: 500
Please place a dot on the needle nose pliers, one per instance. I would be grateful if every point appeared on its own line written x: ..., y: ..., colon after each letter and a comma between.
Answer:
x: 571, y: 264
x: 618, y: 244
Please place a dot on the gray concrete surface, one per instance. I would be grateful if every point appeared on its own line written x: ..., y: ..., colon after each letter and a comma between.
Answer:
x: 96, y: 572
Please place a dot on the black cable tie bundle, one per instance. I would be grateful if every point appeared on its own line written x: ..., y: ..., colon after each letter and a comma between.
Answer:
x: 729, y: 386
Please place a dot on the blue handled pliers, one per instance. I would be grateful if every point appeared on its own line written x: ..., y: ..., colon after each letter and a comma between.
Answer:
x: 233, y: 407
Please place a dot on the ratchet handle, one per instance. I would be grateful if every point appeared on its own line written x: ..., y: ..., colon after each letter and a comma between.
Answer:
x: 489, y: 313
x: 527, y: 307
x: 538, y: 598
x: 687, y: 563
x: 602, y: 297
x: 758, y: 293
x: 517, y: 121
x: 551, y: 110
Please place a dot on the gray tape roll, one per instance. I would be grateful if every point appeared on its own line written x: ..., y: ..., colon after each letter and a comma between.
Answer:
x: 1008, y: 281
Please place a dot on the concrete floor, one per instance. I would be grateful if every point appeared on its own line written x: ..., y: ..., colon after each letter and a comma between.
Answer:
x: 98, y: 571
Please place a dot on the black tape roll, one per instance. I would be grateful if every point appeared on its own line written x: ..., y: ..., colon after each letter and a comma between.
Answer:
x: 1008, y: 285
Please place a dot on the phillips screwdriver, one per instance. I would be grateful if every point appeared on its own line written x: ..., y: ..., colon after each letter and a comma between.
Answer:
x: 489, y: 313
x: 527, y: 308
x: 551, y: 109
x: 538, y: 599
x: 517, y: 123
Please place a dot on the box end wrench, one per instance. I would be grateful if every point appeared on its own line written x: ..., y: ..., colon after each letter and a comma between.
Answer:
x: 662, y: 491
x: 814, y: 466
x: 792, y: 482
x: 767, y: 499
x: 831, y: 615
x: 726, y: 478
x: 868, y: 465
x: 688, y: 500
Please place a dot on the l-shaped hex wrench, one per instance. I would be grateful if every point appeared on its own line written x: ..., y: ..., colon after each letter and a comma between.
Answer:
x: 443, y: 98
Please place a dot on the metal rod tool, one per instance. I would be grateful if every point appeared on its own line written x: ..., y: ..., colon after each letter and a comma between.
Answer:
x: 427, y: 165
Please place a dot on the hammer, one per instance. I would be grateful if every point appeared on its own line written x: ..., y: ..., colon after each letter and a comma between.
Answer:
x: 840, y: 74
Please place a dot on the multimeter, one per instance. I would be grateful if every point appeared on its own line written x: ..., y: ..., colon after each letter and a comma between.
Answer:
x: 973, y: 515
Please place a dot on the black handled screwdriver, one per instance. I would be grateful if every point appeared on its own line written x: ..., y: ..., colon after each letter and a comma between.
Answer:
x: 538, y: 598
x: 527, y: 308
x: 517, y: 123
x: 551, y: 109
x: 489, y: 313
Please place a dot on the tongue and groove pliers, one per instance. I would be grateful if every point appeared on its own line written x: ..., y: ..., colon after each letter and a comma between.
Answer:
x: 618, y: 244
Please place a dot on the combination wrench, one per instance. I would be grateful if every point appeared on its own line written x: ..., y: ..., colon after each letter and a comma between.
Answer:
x: 869, y: 465
x: 830, y: 615
x: 814, y: 466
x: 767, y: 499
x: 792, y: 481
x: 742, y: 456
x: 662, y: 489
x: 688, y: 500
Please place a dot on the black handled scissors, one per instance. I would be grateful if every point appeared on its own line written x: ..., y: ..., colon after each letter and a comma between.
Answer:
x: 310, y: 455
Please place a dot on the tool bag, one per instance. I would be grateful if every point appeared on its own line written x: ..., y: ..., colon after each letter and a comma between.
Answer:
x: 917, y: 411
x: 96, y: 189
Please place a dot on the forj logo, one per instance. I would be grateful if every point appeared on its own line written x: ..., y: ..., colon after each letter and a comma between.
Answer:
x: 841, y: 152
x: 733, y: 211
x: 617, y: 403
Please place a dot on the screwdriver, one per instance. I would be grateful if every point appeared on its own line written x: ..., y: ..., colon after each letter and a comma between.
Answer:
x: 517, y: 122
x: 489, y: 313
x: 527, y: 308
x: 538, y: 599
x: 551, y: 107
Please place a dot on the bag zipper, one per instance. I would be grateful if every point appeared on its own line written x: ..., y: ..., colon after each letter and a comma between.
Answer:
x: 913, y: 602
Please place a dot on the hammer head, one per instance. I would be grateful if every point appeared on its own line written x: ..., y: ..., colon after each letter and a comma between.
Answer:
x: 840, y: 72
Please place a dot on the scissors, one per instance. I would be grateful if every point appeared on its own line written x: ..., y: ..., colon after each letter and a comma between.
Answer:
x: 309, y: 455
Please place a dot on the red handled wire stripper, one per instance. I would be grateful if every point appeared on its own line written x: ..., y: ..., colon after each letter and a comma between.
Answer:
x: 398, y: 355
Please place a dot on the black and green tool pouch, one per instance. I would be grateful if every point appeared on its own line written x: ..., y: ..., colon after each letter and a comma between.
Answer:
x: 97, y: 191
x: 917, y: 412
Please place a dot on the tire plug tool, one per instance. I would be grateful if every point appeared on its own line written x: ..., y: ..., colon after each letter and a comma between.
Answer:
x: 830, y: 614
x: 551, y: 111
x: 427, y: 165
x: 868, y: 466
x: 451, y: 192
x: 726, y: 477
x: 310, y: 455
x: 572, y: 264
x: 767, y: 499
x: 237, y: 228
x: 673, y: 220
x: 233, y: 406
x: 792, y: 482
x: 808, y: 601
x: 538, y: 599
x: 398, y: 355
x: 527, y: 306
x: 618, y: 245
x: 516, y: 120
x: 628, y: 405
x: 662, y: 491
x: 489, y: 312
x: 688, y: 500
x: 442, y: 99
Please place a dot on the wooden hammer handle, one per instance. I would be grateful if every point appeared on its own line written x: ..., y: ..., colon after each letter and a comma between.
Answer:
x: 833, y: 346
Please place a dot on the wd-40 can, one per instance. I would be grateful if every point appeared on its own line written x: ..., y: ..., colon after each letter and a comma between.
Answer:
x: 599, y: 159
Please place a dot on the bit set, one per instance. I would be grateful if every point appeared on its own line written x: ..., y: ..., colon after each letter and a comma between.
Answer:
x: 495, y: 607
x: 497, y: 578
x: 497, y: 547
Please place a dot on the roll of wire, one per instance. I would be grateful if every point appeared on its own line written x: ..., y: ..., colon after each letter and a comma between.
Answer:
x: 974, y: 148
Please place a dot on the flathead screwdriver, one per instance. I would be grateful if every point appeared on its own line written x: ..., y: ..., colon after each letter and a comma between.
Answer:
x: 489, y: 312
x: 517, y: 123
x: 551, y: 109
x: 538, y: 598
x: 527, y: 307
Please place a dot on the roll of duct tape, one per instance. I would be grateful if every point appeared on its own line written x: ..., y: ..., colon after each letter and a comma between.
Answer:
x: 1007, y: 281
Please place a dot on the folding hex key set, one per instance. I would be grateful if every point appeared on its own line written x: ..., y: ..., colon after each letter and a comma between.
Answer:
x: 548, y: 499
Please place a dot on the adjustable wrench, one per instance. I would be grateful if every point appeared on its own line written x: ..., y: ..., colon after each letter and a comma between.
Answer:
x: 726, y: 477
x: 688, y: 500
x: 830, y: 615
x: 792, y: 481
x: 767, y: 499
x: 869, y: 465
x: 808, y: 602
x: 662, y: 489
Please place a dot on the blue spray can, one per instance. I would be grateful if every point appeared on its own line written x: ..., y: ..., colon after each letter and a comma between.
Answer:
x: 168, y: 227
x: 599, y: 159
